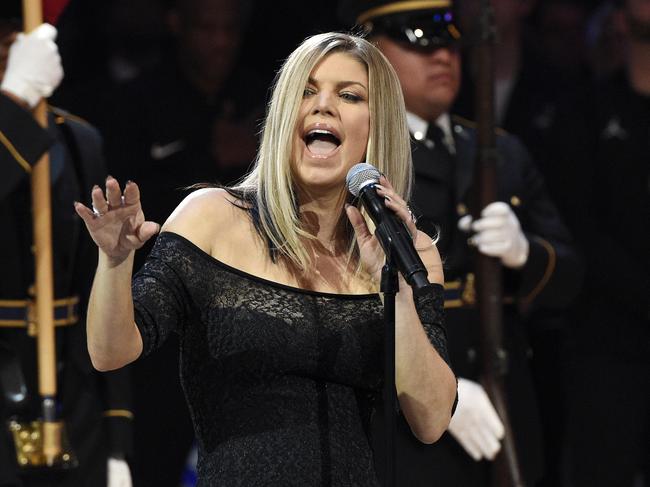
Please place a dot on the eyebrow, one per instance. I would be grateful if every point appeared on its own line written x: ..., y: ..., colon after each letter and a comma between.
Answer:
x: 341, y: 84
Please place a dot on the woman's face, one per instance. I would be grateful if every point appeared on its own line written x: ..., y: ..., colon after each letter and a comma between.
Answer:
x: 333, y: 124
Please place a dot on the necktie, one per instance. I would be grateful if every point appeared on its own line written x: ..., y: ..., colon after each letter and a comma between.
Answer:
x: 444, y: 161
x: 442, y: 156
x: 437, y: 136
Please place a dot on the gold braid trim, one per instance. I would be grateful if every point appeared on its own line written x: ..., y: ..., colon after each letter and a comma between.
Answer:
x: 118, y: 413
x: 14, y: 152
x: 548, y: 272
x: 396, y: 7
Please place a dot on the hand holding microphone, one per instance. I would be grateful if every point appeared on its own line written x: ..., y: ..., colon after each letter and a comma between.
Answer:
x: 392, y: 218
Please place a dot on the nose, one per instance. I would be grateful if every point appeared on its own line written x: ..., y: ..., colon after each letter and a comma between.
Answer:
x: 442, y: 55
x: 324, y: 103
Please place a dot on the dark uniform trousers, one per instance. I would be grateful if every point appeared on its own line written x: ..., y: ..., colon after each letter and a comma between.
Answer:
x: 95, y: 406
x: 549, y: 279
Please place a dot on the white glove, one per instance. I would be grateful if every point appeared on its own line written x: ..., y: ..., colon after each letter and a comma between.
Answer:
x: 34, y: 66
x: 119, y: 474
x: 475, y: 424
x: 498, y: 234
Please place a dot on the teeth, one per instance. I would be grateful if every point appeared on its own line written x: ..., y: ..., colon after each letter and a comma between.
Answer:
x: 321, y: 131
x: 312, y: 134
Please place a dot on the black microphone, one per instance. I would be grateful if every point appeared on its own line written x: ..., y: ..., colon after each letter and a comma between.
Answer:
x: 392, y: 233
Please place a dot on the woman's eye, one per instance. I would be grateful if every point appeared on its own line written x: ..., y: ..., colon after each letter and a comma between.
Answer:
x: 351, y: 96
x: 308, y: 92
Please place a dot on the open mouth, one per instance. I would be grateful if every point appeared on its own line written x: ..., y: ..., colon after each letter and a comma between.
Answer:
x: 321, y: 142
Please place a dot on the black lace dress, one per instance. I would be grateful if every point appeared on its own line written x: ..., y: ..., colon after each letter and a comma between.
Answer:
x: 280, y: 381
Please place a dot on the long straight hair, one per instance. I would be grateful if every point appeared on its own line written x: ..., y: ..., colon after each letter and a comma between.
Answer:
x: 269, y: 189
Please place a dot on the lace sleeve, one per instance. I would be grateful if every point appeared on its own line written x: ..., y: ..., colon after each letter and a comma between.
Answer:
x: 159, y: 297
x: 430, y: 310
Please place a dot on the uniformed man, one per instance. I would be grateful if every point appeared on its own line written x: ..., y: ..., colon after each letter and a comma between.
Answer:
x: 94, y: 406
x: 522, y: 229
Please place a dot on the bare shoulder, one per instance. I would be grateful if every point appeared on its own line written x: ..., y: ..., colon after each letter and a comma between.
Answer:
x: 204, y: 213
x: 426, y: 247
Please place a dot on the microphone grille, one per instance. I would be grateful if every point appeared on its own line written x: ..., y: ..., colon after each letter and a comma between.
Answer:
x: 360, y: 175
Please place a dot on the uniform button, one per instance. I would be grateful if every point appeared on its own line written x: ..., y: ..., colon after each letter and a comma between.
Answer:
x: 471, y: 355
x: 418, y: 135
x: 461, y: 209
x: 515, y: 201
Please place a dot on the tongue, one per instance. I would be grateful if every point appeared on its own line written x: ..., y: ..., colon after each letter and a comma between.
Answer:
x: 321, y: 147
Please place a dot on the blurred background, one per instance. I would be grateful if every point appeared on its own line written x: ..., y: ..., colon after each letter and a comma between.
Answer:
x: 178, y: 89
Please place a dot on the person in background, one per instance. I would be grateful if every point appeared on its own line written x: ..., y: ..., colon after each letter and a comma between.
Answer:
x: 609, y: 343
x: 522, y: 229
x: 541, y: 68
x: 273, y: 285
x: 94, y: 406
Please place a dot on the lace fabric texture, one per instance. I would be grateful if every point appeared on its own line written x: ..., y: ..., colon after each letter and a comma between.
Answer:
x: 280, y: 381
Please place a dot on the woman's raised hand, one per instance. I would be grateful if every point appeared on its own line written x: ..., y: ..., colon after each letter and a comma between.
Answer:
x: 116, y: 222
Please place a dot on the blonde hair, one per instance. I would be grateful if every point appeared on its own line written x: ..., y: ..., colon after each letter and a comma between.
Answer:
x: 269, y: 187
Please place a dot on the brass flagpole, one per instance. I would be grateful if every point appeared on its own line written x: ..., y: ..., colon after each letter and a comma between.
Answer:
x: 44, y: 281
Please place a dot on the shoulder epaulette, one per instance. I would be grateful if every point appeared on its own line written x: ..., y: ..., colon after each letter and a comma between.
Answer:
x: 61, y: 116
x: 463, y: 121
x: 472, y: 125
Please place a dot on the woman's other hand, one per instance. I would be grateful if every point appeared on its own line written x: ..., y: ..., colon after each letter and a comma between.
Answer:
x: 116, y: 222
x: 371, y: 253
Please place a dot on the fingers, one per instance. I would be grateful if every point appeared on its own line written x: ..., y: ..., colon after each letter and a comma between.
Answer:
x: 487, y: 443
x: 494, y: 215
x: 489, y: 237
x: 131, y: 193
x: 492, y: 421
x: 358, y: 223
x: 113, y: 192
x: 489, y: 223
x: 114, y: 198
x: 46, y: 32
x: 100, y: 205
x: 137, y: 236
x: 86, y: 214
x: 147, y: 230
x: 396, y: 203
x: 385, y: 182
x: 476, y: 424
x: 465, y: 223
x: 497, y: 208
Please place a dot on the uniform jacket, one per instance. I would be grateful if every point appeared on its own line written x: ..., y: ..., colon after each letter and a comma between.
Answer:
x: 549, y: 280
x: 95, y: 406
